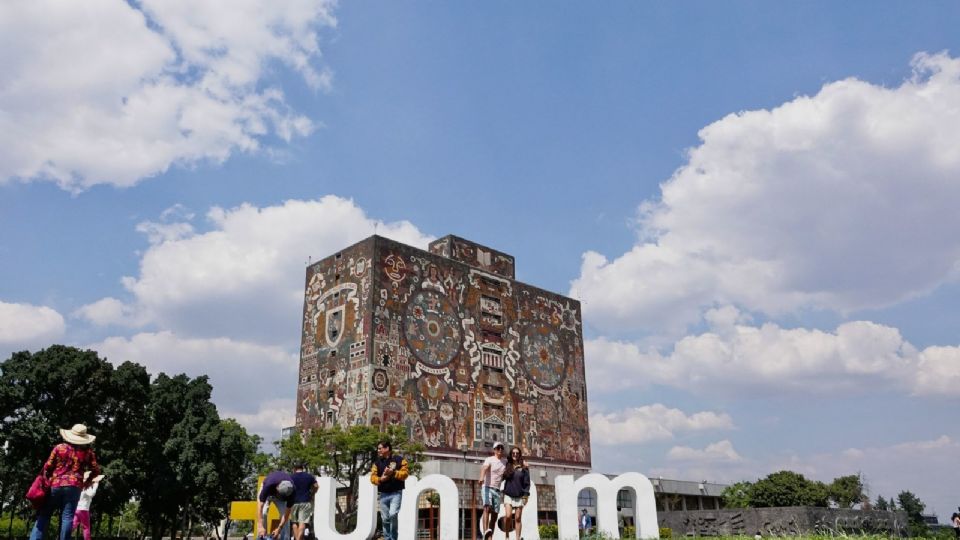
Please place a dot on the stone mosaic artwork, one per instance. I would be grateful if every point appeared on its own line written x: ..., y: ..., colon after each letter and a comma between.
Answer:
x: 445, y: 343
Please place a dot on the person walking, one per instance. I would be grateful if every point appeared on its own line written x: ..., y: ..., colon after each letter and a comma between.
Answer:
x: 64, y: 471
x: 516, y: 489
x: 585, y: 523
x: 278, y: 489
x: 491, y: 475
x: 955, y: 521
x: 304, y: 487
x: 389, y: 473
x: 82, y: 516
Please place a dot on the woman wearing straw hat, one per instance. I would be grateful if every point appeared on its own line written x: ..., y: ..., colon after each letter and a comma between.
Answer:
x: 64, y: 470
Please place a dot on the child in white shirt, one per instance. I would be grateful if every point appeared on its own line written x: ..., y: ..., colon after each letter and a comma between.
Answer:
x: 82, y: 515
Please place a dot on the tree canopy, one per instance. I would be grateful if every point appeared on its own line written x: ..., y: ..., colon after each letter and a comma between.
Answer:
x: 913, y: 506
x: 847, y: 491
x: 788, y: 488
x: 161, y: 442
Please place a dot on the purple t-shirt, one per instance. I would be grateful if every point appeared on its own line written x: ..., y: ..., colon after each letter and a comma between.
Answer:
x: 270, y: 483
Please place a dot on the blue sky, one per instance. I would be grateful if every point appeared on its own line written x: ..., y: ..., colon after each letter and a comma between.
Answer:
x: 755, y: 203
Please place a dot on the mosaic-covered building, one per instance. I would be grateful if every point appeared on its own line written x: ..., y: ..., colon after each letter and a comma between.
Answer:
x: 447, y: 343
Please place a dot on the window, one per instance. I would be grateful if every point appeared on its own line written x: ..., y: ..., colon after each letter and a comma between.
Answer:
x: 490, y: 304
x: 587, y: 497
x: 625, y: 498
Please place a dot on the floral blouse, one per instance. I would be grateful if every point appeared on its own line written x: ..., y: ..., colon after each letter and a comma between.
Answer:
x: 66, y: 465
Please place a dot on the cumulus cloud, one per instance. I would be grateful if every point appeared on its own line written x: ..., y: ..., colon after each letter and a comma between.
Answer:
x: 843, y: 200
x: 270, y: 417
x: 244, y: 277
x: 107, y: 311
x: 111, y: 92
x: 245, y: 376
x: 26, y: 327
x: 856, y: 356
x: 721, y: 451
x: 652, y: 423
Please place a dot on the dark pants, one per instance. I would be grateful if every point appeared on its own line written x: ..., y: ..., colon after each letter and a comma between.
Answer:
x: 65, y: 500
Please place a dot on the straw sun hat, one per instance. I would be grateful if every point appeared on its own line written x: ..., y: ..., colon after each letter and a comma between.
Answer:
x: 77, y: 435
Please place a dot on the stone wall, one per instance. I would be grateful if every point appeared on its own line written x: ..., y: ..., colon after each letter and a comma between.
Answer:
x: 790, y: 521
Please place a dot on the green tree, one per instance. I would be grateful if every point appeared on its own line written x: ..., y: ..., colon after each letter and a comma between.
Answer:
x: 846, y: 491
x: 161, y: 442
x: 198, y: 462
x: 913, y: 506
x: 787, y: 488
x: 347, y: 454
x: 881, y: 504
x: 41, y: 392
x: 737, y: 495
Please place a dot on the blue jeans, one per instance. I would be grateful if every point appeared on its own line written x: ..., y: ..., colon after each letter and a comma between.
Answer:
x: 64, y: 499
x: 265, y: 521
x: 389, y: 510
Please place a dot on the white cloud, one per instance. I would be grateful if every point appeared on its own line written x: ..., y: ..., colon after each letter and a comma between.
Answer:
x: 938, y: 372
x: 857, y: 356
x: 652, y: 423
x: 111, y: 92
x: 718, y: 452
x: 267, y: 421
x: 107, y: 311
x: 174, y: 224
x: 843, y: 200
x: 244, y: 278
x: 25, y: 326
x: 244, y: 375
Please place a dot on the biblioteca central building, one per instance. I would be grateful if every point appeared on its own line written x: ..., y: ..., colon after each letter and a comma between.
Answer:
x: 447, y: 343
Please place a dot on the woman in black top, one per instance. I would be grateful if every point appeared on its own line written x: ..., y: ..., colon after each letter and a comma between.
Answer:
x: 516, y: 488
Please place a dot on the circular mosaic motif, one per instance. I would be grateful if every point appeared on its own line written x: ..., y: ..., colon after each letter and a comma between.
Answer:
x: 543, y: 357
x: 432, y: 328
x: 380, y: 380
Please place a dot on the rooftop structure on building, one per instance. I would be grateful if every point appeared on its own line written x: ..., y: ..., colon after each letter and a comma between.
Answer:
x: 447, y: 343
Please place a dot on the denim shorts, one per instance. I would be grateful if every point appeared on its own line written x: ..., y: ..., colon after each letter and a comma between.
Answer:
x: 490, y: 496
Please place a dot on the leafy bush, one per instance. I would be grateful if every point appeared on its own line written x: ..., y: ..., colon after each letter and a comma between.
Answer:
x: 549, y: 531
x: 665, y: 532
x: 17, y: 528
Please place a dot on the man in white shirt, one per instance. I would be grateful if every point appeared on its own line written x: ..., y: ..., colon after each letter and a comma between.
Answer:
x: 491, y: 475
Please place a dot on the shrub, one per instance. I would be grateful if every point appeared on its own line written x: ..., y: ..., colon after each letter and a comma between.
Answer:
x: 665, y: 532
x: 549, y: 531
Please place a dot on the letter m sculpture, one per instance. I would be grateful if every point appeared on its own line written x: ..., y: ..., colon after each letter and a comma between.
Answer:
x: 567, y: 491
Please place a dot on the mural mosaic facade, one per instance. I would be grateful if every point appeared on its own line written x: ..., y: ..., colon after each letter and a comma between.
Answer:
x: 446, y: 343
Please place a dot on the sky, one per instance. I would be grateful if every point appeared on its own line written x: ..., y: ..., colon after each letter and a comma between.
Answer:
x: 755, y: 203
